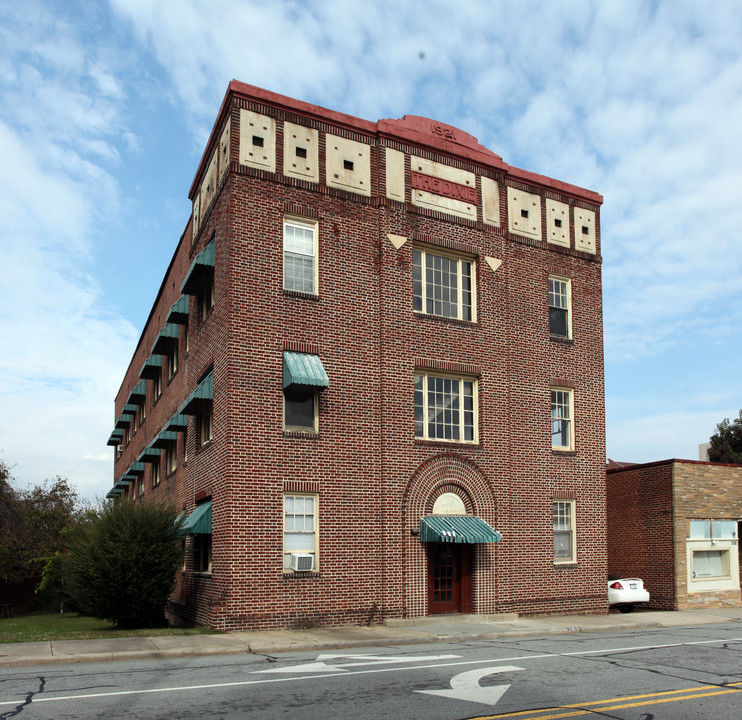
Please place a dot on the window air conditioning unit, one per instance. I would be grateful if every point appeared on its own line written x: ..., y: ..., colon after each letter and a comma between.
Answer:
x: 119, y: 450
x: 302, y: 562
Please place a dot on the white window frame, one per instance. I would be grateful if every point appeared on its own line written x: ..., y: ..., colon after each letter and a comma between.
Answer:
x: 291, y: 281
x: 424, y: 288
x: 701, y: 542
x: 563, y: 512
x: 562, y: 412
x: 312, y: 537
x: 560, y: 298
x: 424, y: 413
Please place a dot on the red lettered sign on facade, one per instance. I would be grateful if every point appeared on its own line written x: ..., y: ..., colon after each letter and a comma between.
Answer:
x: 446, y: 188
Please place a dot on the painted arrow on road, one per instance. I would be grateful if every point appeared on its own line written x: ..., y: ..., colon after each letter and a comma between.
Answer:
x: 465, y: 686
x: 360, y: 661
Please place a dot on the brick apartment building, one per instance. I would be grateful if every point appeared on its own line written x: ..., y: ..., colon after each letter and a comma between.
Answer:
x: 372, y: 377
x: 676, y: 524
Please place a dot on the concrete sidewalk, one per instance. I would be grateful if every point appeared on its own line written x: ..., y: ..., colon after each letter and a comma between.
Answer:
x: 444, y: 628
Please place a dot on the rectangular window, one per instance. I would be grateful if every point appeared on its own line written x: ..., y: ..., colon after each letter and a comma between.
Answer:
x: 562, y: 426
x: 157, y: 386
x: 299, y: 528
x: 142, y: 413
x: 300, y: 408
x: 713, y: 529
x: 171, y: 462
x: 172, y: 361
x: 202, y: 552
x: 564, y: 531
x: 445, y: 408
x: 443, y: 285
x: 206, y: 299
x: 709, y: 564
x: 560, y: 300
x: 299, y: 256
x: 185, y: 445
x: 207, y: 424
x: 155, y: 474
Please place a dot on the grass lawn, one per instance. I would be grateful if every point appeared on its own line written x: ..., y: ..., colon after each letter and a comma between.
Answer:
x: 72, y: 626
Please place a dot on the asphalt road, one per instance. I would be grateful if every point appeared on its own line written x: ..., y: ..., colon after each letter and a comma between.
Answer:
x: 686, y: 672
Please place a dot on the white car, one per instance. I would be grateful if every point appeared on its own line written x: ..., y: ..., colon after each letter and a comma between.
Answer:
x: 626, y: 592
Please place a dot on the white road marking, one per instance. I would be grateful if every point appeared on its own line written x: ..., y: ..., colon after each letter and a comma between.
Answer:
x: 465, y: 686
x: 374, y: 660
x: 521, y: 658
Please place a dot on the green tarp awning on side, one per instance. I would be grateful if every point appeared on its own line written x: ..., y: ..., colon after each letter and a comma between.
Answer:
x: 165, y: 339
x: 164, y: 438
x: 202, y: 264
x: 198, y: 522
x: 457, y: 529
x: 137, y: 468
x: 179, y: 311
x: 203, y: 393
x: 116, y: 437
x: 303, y: 369
x: 152, y: 367
x: 150, y: 455
x: 177, y: 422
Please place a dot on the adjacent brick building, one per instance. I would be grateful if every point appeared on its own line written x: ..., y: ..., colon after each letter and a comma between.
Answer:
x: 676, y: 524
x: 372, y: 377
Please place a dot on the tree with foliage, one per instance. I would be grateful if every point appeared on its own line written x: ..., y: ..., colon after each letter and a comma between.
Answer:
x: 122, y: 562
x: 725, y: 445
x: 33, y: 523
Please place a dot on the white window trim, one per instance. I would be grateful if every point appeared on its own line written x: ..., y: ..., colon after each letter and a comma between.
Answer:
x: 568, y: 282
x: 424, y: 252
x: 571, y: 419
x: 573, y: 532
x: 475, y: 406
x: 304, y: 223
x: 315, y: 549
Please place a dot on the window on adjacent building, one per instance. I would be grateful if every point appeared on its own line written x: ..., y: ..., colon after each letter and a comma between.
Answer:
x: 445, y: 408
x: 562, y: 425
x: 155, y: 474
x: 563, y: 512
x: 713, y: 529
x: 299, y: 256
x: 202, y: 552
x: 443, y: 284
x: 171, y: 462
x: 300, y: 408
x: 207, y: 423
x: 560, y: 300
x: 300, y: 529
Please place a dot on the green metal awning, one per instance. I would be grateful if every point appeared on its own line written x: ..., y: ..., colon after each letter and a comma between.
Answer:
x: 130, y: 478
x: 203, y: 393
x: 201, y: 265
x: 179, y: 311
x: 150, y: 455
x: 165, y: 339
x: 137, y: 468
x: 113, y: 492
x: 123, y: 482
x: 177, y: 422
x: 198, y: 522
x: 303, y: 369
x: 165, y: 438
x: 116, y: 437
x: 138, y: 394
x: 457, y: 529
x: 152, y: 367
x: 124, y: 420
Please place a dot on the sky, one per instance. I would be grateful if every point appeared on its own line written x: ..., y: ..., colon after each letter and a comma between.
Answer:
x: 105, y: 109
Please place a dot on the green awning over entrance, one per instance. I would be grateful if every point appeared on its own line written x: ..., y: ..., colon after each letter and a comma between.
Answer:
x: 457, y: 529
x: 198, y: 522
x: 303, y: 369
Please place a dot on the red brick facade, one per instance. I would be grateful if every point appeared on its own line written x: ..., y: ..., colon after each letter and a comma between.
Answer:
x: 371, y: 478
x: 650, y: 508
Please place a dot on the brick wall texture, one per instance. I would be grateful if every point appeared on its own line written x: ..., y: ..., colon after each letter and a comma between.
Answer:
x: 649, y: 511
x: 373, y: 480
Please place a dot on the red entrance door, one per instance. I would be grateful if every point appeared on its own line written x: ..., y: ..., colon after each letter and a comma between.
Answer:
x: 449, y: 578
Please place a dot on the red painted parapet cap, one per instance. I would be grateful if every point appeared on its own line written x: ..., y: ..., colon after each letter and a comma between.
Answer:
x: 413, y: 129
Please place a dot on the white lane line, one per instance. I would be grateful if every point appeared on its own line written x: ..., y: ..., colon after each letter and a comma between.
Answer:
x: 264, y: 681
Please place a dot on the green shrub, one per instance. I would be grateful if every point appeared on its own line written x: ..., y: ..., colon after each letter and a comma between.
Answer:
x: 122, y: 562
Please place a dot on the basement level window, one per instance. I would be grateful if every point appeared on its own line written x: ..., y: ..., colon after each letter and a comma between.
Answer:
x: 347, y: 164
x: 301, y: 152
x: 257, y: 141
x: 524, y: 213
